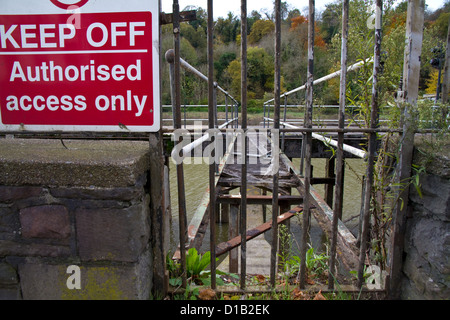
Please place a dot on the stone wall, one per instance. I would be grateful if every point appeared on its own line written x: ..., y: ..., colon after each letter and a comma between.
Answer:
x: 76, y: 203
x: 426, y: 266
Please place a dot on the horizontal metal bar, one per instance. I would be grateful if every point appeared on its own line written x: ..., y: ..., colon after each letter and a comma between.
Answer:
x: 321, y: 130
x: 184, y: 16
x: 196, y: 105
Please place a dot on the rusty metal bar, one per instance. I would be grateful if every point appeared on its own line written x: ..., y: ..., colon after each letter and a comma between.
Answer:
x: 243, y: 218
x: 177, y: 125
x: 212, y: 164
x: 339, y: 185
x: 290, y: 130
x: 233, y: 232
x: 308, y: 148
x: 184, y: 16
x: 226, y: 246
x: 372, y: 143
x: 411, y: 73
x: 277, y: 90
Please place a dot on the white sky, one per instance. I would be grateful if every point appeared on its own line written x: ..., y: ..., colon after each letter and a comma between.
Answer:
x: 222, y: 7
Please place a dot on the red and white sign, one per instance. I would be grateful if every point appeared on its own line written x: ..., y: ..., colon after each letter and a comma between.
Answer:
x: 79, y: 65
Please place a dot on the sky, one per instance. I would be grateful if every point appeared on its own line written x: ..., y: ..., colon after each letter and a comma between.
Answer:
x: 222, y: 7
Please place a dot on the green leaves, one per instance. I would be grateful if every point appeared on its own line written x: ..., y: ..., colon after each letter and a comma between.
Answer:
x: 196, y: 263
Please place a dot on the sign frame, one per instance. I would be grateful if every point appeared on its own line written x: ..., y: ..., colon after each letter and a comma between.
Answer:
x: 134, y: 41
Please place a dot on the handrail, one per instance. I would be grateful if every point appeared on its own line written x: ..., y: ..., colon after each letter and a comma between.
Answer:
x: 191, y: 146
x: 170, y: 57
x: 355, y: 151
x: 353, y: 67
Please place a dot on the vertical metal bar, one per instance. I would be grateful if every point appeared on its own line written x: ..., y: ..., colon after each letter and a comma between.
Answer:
x: 177, y: 117
x: 276, y: 125
x: 339, y: 185
x: 308, y: 148
x: 284, y: 120
x: 216, y: 111
x: 372, y: 143
x: 212, y: 165
x: 158, y: 212
x: 302, y: 156
x: 411, y: 73
x: 172, y: 90
x: 243, y: 222
x: 445, y: 82
x: 329, y: 187
x: 226, y: 109
x: 233, y: 228
x: 264, y: 115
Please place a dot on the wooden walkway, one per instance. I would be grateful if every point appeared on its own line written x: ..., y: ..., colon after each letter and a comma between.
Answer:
x: 260, y: 168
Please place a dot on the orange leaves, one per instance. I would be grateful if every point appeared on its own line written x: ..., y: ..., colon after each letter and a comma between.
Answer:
x: 297, y: 294
x: 296, y: 21
x: 299, y: 21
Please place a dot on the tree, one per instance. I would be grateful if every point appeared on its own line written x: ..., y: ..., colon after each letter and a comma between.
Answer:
x: 251, y: 19
x: 227, y: 29
x: 260, y: 74
x: 331, y: 20
x: 298, y: 21
x: 260, y: 29
x: 222, y: 64
x: 202, y: 18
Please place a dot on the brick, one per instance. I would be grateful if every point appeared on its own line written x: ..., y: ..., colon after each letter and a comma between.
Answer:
x: 10, y: 293
x: 8, y: 275
x: 14, y: 248
x: 103, y: 282
x: 10, y: 193
x: 47, y: 221
x: 111, y: 233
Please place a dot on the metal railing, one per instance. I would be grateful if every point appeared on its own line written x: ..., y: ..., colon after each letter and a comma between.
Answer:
x: 310, y: 200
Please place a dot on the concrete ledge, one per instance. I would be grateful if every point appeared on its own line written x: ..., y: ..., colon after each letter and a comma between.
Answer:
x: 84, y: 163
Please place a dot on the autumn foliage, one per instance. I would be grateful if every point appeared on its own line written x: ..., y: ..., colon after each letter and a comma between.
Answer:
x: 300, y: 21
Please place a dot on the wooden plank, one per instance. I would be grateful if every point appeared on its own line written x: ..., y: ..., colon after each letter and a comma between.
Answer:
x: 226, y: 246
x: 346, y: 242
x: 260, y: 199
x: 199, y: 216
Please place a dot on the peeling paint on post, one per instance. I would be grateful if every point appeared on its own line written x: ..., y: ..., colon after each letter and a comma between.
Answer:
x: 308, y: 124
x: 411, y: 72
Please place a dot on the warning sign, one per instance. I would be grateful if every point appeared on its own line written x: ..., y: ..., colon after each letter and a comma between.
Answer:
x: 85, y: 66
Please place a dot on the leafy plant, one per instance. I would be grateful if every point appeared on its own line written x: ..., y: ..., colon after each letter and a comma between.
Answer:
x: 196, y: 263
x: 196, y: 272
x: 316, y: 263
